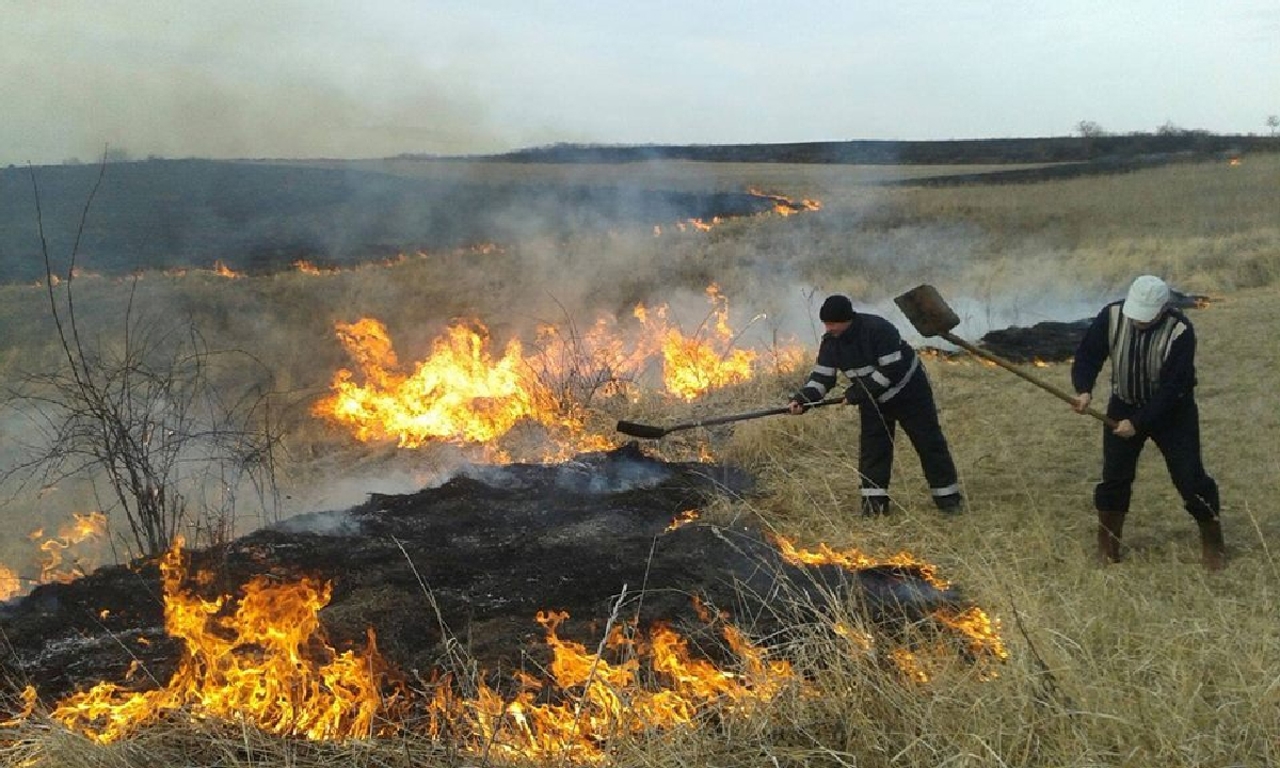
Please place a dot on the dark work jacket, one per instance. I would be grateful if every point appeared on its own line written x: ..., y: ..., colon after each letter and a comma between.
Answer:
x: 1152, y: 370
x: 871, y: 353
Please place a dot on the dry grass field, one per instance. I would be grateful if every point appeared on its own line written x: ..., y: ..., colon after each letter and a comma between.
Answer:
x: 1150, y: 662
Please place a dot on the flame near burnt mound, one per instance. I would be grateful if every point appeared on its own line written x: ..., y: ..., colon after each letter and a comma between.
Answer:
x: 467, y: 391
x: 536, y: 609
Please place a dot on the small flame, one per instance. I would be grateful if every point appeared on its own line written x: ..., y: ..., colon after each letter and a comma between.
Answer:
x: 307, y: 268
x: 909, y: 664
x: 84, y: 529
x: 785, y: 206
x: 933, y: 353
x: 855, y: 560
x: 683, y: 519
x: 981, y: 633
x: 10, y: 583
x: 781, y: 206
x: 29, y: 701
x: 222, y: 270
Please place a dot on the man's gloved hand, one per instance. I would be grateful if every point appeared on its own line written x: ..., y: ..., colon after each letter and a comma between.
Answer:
x: 855, y: 395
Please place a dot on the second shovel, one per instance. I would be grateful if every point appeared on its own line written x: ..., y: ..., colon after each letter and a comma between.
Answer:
x: 931, y: 316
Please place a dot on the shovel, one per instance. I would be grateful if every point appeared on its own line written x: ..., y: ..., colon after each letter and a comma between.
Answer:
x: 653, y: 433
x: 931, y: 316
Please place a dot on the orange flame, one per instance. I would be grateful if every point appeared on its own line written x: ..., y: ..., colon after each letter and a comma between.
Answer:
x: 981, y: 634
x: 266, y: 663
x: 606, y: 698
x: 64, y: 557
x: 10, y: 583
x: 30, y: 698
x: 263, y: 660
x: 465, y: 393
x: 854, y: 560
x: 681, y: 520
x: 84, y: 528
x: 782, y: 206
x: 785, y: 206
x: 307, y: 268
x: 461, y: 393
x: 933, y: 353
x: 222, y: 270
x: 693, y: 365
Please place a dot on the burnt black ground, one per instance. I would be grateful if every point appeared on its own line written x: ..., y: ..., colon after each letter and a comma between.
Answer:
x: 262, y: 218
x: 1054, y: 341
x: 471, y: 562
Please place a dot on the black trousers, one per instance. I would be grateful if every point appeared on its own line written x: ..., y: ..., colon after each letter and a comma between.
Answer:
x: 915, y: 409
x: 1178, y: 438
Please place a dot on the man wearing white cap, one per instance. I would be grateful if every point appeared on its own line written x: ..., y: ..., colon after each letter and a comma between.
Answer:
x: 1153, y: 377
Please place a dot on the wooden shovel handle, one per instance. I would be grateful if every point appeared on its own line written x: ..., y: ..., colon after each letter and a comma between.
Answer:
x: 1008, y: 366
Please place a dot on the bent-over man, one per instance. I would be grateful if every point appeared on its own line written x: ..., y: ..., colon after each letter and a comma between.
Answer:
x: 1152, y: 348
x: 890, y: 387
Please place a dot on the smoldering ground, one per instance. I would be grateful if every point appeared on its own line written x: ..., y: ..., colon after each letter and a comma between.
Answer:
x: 563, y: 254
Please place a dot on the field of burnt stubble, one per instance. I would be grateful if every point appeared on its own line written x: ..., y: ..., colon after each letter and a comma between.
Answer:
x: 1152, y: 661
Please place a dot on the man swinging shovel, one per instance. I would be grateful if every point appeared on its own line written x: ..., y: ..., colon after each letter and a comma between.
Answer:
x: 1154, y: 376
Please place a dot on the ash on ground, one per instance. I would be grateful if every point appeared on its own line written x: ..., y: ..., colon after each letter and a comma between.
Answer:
x: 470, y: 564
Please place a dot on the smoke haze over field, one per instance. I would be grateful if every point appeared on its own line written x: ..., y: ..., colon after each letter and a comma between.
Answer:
x: 328, y: 79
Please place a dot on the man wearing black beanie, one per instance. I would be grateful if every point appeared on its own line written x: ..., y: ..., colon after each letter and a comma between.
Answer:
x: 836, y: 309
x: 890, y: 387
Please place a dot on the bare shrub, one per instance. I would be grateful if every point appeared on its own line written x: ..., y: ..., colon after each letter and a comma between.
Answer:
x: 141, y: 410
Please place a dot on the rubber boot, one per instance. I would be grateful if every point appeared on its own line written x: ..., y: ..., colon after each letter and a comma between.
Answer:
x: 1110, y: 527
x: 1213, y: 552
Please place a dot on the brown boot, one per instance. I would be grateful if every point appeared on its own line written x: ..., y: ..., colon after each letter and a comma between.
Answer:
x: 1213, y: 552
x: 1110, y: 526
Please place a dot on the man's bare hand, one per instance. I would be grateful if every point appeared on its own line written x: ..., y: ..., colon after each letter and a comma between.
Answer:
x: 795, y: 407
x: 1080, y: 403
x: 1125, y: 429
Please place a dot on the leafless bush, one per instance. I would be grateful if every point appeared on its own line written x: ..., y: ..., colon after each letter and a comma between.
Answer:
x: 150, y: 410
x: 576, y: 365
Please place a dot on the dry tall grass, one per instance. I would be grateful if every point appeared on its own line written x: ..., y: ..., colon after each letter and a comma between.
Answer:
x: 1149, y: 662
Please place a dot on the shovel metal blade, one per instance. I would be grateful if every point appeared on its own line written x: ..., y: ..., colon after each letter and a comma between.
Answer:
x: 641, y: 430
x: 927, y: 311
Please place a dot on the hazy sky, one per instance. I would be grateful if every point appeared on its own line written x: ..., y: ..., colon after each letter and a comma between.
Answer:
x: 308, y: 78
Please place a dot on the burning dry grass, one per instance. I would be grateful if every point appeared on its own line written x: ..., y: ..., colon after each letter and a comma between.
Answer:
x: 1151, y: 662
